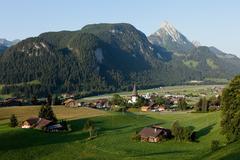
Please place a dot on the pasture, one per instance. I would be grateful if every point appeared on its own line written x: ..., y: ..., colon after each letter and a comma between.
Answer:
x: 114, y: 136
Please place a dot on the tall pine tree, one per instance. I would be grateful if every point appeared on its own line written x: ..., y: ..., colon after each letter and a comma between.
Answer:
x: 230, y: 106
x: 46, y: 112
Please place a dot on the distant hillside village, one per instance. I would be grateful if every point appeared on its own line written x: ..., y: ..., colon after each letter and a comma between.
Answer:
x: 152, y: 102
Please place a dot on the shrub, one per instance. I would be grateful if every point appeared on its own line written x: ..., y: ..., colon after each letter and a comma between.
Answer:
x: 213, y: 108
x: 13, y: 121
x: 182, y: 133
x: 89, y: 126
x: 214, y: 145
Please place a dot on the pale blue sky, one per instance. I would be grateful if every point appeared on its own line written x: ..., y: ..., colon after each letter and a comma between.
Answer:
x: 211, y: 22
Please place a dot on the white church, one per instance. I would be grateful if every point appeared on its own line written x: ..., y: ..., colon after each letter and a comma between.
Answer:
x: 134, y: 95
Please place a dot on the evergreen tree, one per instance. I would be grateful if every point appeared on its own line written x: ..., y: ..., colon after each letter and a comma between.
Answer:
x: 47, y: 113
x: 49, y: 100
x: 182, y: 104
x: 230, y: 106
x: 56, y: 100
x: 202, y: 105
x: 13, y: 121
x: 34, y: 100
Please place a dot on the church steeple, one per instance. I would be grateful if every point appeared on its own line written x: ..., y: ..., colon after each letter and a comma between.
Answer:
x: 134, y: 92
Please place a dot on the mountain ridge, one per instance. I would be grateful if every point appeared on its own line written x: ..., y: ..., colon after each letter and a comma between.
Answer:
x: 105, y: 58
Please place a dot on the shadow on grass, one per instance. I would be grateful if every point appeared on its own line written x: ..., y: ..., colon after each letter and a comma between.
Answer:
x: 158, y: 153
x: 27, y: 138
x: 204, y: 131
x: 232, y: 156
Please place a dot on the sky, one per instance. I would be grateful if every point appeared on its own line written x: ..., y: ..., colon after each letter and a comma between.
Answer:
x: 211, y: 22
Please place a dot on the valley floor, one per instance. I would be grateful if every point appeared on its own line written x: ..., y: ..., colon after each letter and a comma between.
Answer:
x: 114, y: 137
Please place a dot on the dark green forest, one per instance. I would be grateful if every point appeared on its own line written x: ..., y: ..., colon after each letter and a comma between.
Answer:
x: 100, y: 58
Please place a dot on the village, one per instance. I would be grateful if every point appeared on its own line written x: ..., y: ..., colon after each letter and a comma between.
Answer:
x: 148, y: 102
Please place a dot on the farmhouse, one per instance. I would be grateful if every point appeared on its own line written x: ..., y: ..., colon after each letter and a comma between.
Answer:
x: 153, y: 107
x: 36, y: 122
x: 145, y: 108
x: 70, y: 103
x: 42, y: 123
x: 102, y: 104
x: 154, y: 134
x: 161, y: 108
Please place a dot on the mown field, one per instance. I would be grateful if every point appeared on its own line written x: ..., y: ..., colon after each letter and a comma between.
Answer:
x: 114, y: 137
x: 61, y: 112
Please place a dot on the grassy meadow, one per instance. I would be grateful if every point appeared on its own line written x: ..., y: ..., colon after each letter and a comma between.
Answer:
x: 114, y: 136
x: 115, y: 131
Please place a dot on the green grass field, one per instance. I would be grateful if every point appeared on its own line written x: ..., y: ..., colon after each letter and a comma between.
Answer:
x: 114, y: 137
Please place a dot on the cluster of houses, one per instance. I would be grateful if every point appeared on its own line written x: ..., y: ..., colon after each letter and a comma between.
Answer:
x: 43, y: 124
x: 98, y: 104
x: 153, y: 107
x: 12, y: 102
x: 172, y: 101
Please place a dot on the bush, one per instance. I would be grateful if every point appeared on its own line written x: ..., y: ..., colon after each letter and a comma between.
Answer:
x: 117, y: 100
x: 213, y: 108
x: 141, y: 102
x: 159, y: 100
x: 13, y: 121
x: 66, y: 126
x: 89, y: 126
x: 214, y: 145
x: 182, y: 133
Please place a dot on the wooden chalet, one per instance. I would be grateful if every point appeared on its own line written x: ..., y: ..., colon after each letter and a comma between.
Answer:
x: 154, y: 134
x: 42, y: 124
x: 36, y: 122
x: 70, y: 103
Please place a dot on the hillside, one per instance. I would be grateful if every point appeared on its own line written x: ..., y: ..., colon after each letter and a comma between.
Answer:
x: 103, y: 58
x: 114, y: 132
